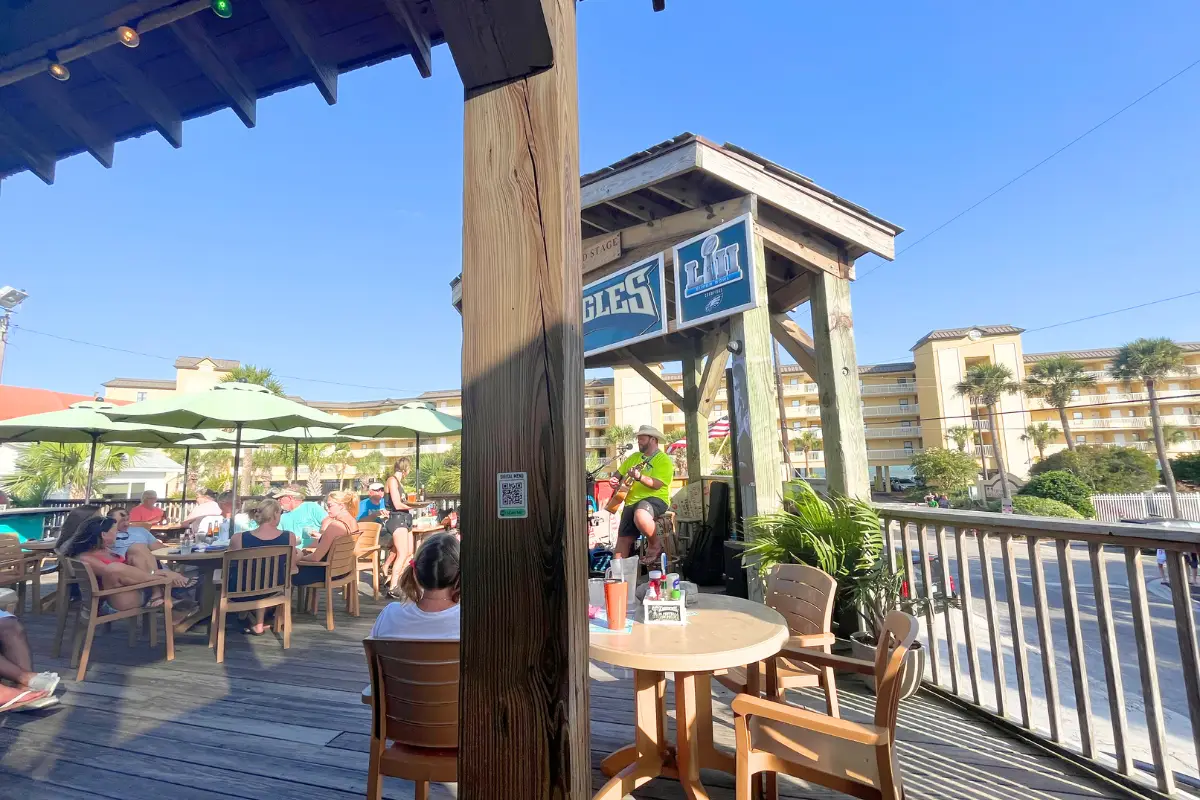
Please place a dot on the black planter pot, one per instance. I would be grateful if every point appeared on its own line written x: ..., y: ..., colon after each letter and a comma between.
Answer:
x: 846, y: 619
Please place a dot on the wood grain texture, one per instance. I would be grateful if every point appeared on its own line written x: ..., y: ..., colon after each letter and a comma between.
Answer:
x: 796, y: 341
x: 837, y: 380
x: 1083, y: 700
x: 1112, y: 656
x: 524, y: 684
x: 695, y: 424
x: 1045, y: 636
x: 1148, y: 670
x: 993, y: 618
x: 943, y: 554
x: 1185, y: 629
x: 1016, y: 618
x: 494, y: 43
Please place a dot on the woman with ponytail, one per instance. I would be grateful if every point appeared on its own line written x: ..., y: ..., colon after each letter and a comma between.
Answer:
x: 430, y: 586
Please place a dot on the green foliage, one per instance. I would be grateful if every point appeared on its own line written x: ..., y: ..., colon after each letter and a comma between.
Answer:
x: 987, y: 383
x: 1187, y: 467
x: 252, y: 374
x: 1055, y: 379
x: 1041, y: 434
x: 216, y: 482
x: 949, y: 471
x: 1104, y: 468
x: 47, y: 467
x: 1043, y: 507
x: 878, y: 591
x: 1064, y: 487
x: 368, y: 468
x: 961, y: 435
x: 1146, y: 360
x: 618, y: 436
x: 441, y: 473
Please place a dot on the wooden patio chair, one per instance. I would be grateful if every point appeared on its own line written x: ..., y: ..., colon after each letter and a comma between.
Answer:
x: 67, y: 579
x: 261, y: 578
x: 367, y: 554
x: 858, y: 760
x: 18, y: 569
x: 88, y: 616
x: 805, y: 597
x: 414, y: 703
x: 340, y: 573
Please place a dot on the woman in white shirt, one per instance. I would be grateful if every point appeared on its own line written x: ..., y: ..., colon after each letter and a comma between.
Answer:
x: 430, y: 584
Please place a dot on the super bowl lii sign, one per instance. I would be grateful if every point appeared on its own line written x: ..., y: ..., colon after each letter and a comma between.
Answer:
x: 625, y: 307
x: 714, y: 274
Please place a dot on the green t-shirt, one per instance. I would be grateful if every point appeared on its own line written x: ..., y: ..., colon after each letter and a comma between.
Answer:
x: 661, y: 467
x: 307, y: 515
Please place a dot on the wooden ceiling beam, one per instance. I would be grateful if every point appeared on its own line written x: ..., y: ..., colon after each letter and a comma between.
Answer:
x: 784, y: 236
x: 302, y: 43
x: 135, y: 87
x: 494, y: 43
x: 652, y: 377
x: 791, y: 294
x: 18, y: 140
x: 644, y: 208
x: 796, y: 341
x: 422, y: 48
x: 218, y: 67
x: 53, y: 99
x: 714, y: 369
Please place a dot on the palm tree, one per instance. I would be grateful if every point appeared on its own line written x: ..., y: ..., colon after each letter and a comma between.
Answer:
x: 1172, y: 434
x: 1057, y: 380
x: 807, y: 441
x: 249, y: 373
x: 368, y: 468
x: 339, y: 459
x: 1151, y: 360
x: 46, y: 467
x: 618, y: 436
x: 962, y: 435
x: 985, y: 385
x: 1041, y: 434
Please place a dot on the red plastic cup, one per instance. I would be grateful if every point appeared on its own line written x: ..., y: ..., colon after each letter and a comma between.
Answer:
x: 616, y: 596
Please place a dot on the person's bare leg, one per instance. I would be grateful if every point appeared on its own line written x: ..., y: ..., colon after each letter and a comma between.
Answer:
x: 7, y: 693
x: 644, y: 521
x: 401, y: 544
x: 625, y: 546
x: 15, y: 646
x: 139, y: 555
x: 11, y: 672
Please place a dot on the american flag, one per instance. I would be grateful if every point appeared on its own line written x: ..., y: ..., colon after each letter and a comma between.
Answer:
x: 716, y: 430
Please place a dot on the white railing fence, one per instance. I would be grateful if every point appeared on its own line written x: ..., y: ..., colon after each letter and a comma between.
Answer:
x: 1116, y: 507
x: 1075, y: 638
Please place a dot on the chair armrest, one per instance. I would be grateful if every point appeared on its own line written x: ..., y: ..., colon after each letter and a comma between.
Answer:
x: 366, y: 694
x: 810, y: 640
x: 820, y: 658
x: 150, y: 584
x: 750, y: 706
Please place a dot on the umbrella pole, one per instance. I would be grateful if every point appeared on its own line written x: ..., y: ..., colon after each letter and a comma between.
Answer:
x: 418, y: 481
x: 87, y: 494
x: 187, y: 456
x: 237, y: 460
x: 296, y: 461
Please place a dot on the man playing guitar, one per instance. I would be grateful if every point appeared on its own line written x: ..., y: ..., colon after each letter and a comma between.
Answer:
x: 652, y: 471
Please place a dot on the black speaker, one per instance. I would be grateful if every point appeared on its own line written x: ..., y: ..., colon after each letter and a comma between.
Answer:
x: 735, y: 574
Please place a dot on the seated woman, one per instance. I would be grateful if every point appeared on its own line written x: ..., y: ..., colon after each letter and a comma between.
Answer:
x: 431, y: 587
x: 93, y: 545
x: 267, y: 534
x: 72, y: 525
x: 30, y: 690
x: 341, y: 522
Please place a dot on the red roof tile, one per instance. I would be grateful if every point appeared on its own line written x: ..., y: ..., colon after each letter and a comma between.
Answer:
x: 17, y: 401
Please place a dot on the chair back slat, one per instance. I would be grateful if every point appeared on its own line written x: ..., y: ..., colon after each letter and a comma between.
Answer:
x: 81, y: 573
x: 10, y: 547
x: 368, y: 538
x: 341, y: 556
x: 414, y: 686
x: 805, y: 597
x: 257, y: 571
x: 899, y: 632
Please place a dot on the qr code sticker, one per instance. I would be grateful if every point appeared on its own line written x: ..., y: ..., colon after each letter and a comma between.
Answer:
x: 511, y: 491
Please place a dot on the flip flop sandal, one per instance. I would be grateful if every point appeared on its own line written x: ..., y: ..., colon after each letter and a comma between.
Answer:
x: 24, y: 700
x: 253, y: 632
x: 154, y: 602
x: 45, y: 702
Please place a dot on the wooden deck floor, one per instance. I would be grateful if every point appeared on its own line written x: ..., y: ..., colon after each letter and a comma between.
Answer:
x: 274, y: 724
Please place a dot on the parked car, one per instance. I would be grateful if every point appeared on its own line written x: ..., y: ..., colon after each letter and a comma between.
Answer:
x: 903, y: 484
x: 940, y: 597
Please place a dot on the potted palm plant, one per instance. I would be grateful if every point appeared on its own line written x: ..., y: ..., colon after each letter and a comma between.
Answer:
x: 877, y: 592
x: 839, y: 535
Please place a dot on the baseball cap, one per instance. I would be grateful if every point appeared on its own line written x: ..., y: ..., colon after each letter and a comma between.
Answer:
x: 375, y: 487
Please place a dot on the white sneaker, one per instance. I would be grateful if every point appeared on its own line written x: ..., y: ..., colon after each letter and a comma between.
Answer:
x: 45, y: 682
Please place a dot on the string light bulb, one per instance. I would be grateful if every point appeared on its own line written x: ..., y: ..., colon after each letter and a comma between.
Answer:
x: 58, y: 70
x: 222, y: 8
x: 128, y: 36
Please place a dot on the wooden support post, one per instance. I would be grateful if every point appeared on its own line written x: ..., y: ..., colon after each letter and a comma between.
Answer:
x: 751, y: 395
x: 695, y: 424
x: 837, y: 380
x: 524, y: 688
x: 653, y: 378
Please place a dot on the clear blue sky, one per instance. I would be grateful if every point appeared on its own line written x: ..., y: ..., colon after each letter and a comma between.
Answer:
x: 327, y: 236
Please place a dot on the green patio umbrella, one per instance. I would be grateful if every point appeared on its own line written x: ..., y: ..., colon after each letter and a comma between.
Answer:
x: 87, y: 422
x: 408, y: 421
x: 203, y: 440
x: 236, y: 405
x: 295, y: 437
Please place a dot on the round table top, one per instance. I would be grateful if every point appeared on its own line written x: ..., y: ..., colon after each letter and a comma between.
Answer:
x: 166, y: 554
x: 723, y: 632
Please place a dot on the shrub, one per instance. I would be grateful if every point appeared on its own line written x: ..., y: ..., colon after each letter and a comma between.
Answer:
x: 1187, y: 468
x: 949, y: 471
x: 1043, y: 507
x: 1064, y: 487
x: 1104, y: 468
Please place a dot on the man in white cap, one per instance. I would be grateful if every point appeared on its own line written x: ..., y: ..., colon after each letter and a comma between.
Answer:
x: 372, y: 508
x: 652, y: 471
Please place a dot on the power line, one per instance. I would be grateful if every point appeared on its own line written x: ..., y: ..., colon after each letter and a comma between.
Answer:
x: 1115, y: 311
x: 1044, y: 161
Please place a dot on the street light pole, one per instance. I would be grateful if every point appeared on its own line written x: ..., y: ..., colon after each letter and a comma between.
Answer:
x: 10, y: 298
x: 3, y: 341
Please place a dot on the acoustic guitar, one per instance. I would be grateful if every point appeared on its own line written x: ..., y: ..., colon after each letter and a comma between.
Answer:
x: 618, y: 499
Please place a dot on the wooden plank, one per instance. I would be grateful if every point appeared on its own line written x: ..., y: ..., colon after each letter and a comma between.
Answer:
x: 815, y: 208
x: 421, y: 51
x: 927, y: 585
x: 652, y: 377
x: 797, y: 342
x: 609, y: 218
x: 53, y: 99
x: 791, y: 294
x: 1112, y: 656
x: 951, y: 634
x: 1083, y: 700
x: 524, y: 690
x: 135, y: 87
x: 39, y: 161
x: 889, y: 544
x: 1045, y: 637
x: 993, y: 618
x: 1016, y: 617
x: 493, y: 44
x: 783, y: 235
x: 288, y: 20
x: 1185, y: 629
x: 714, y: 371
x: 643, y: 207
x: 600, y: 250
x: 1148, y: 670
x: 672, y: 163
x: 694, y: 423
x: 837, y: 378
x: 218, y: 67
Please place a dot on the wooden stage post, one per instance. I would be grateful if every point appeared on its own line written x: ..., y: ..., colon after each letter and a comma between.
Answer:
x: 524, y: 680
x: 695, y: 424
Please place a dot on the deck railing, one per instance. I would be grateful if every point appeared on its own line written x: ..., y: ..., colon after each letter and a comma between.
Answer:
x: 1082, y: 592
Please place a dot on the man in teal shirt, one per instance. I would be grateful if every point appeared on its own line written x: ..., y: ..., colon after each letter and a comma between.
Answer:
x: 301, y: 517
x: 649, y: 496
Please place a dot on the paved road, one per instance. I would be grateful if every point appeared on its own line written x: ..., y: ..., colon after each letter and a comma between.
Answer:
x: 1182, y: 751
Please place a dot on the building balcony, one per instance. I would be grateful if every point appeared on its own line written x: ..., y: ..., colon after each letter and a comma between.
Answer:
x: 595, y: 441
x: 891, y: 411
x: 894, y: 433
x: 673, y: 418
x: 802, y: 411
x: 792, y: 389
x: 595, y: 422
x: 1102, y: 376
x: 595, y: 402
x: 1036, y: 403
x: 986, y: 450
x: 905, y: 454
x: 877, y: 389
x: 1187, y: 446
x: 1135, y: 423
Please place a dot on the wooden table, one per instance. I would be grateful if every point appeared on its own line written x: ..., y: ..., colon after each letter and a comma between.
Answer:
x: 208, y: 563
x: 723, y: 632
x: 39, y: 549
